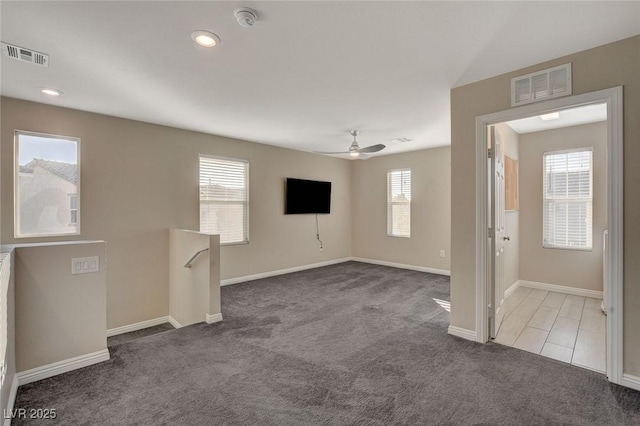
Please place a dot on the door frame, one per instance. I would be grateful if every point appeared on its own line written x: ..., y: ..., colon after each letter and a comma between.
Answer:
x: 614, y: 271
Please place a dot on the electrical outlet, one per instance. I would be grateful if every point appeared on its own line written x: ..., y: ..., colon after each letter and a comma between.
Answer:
x: 85, y: 265
x: 441, y: 253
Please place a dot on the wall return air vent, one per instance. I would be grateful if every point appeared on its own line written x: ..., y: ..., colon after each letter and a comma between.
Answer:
x: 538, y: 86
x: 25, y: 55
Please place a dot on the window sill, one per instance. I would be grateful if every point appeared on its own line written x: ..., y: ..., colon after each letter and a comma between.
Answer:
x: 68, y: 234
x: 240, y: 243
x: 568, y: 248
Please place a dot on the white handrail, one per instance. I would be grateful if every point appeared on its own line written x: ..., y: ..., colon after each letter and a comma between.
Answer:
x: 193, y: 258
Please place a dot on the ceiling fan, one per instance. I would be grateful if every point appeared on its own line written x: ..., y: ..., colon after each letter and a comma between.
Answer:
x: 355, y: 150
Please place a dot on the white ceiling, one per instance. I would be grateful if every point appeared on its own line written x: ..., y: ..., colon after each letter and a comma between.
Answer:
x: 305, y: 74
x: 566, y: 118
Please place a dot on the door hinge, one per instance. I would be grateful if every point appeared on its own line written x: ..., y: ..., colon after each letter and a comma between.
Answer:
x: 490, y: 311
x: 490, y: 153
x: 490, y: 233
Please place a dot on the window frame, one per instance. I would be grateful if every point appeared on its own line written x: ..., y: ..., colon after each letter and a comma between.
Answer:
x: 246, y: 202
x: 16, y: 183
x: 568, y: 200
x: 391, y: 203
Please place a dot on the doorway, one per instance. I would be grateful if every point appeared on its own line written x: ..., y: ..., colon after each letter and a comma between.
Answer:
x: 555, y: 214
x: 491, y: 235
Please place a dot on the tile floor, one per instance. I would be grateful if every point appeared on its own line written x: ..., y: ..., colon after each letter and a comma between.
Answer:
x: 560, y: 326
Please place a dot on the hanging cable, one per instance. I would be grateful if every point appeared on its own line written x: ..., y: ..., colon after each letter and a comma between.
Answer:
x: 318, y: 233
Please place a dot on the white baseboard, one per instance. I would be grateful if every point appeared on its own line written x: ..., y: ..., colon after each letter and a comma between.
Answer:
x: 462, y: 332
x: 50, y: 370
x: 630, y: 381
x: 213, y: 318
x: 237, y: 280
x: 12, y: 398
x: 246, y: 278
x: 136, y: 326
x: 562, y: 289
x: 513, y: 287
x: 403, y: 266
x: 173, y: 322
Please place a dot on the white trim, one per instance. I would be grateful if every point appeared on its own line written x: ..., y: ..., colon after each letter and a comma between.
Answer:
x: 237, y: 280
x: 630, y: 381
x: 615, y: 254
x: 614, y: 262
x: 50, y: 370
x: 173, y: 322
x: 462, y: 332
x: 482, y: 233
x: 562, y: 289
x: 137, y: 326
x: 16, y: 182
x: 213, y: 318
x: 261, y: 275
x: 12, y: 399
x: 403, y: 266
x: 513, y: 287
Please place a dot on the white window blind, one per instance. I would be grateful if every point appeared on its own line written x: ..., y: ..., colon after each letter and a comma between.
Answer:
x: 568, y: 199
x: 399, y: 203
x: 224, y: 198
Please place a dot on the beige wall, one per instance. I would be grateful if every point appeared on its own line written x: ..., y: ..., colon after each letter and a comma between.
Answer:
x: 572, y: 268
x: 510, y: 140
x: 599, y: 68
x: 430, y: 209
x: 58, y: 315
x: 193, y: 292
x: 139, y: 180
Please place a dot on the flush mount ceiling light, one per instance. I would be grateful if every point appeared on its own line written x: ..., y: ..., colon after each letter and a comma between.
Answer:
x: 51, y: 92
x: 205, y: 38
x: 550, y: 116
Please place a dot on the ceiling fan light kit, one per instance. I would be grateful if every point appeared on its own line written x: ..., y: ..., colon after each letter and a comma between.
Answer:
x: 355, y: 150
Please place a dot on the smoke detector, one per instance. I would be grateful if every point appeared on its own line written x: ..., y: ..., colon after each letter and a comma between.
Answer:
x: 25, y: 55
x: 246, y: 17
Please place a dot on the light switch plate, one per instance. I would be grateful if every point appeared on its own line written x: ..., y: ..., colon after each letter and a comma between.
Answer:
x: 85, y: 265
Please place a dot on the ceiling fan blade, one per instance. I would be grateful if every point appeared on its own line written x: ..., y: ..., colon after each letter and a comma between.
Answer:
x: 372, y: 148
x: 325, y: 152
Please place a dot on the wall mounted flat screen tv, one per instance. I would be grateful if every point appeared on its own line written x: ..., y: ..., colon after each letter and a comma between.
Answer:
x: 307, y: 196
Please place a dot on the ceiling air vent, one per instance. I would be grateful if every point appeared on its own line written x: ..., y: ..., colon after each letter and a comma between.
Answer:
x: 25, y: 55
x: 541, y: 85
x: 401, y: 140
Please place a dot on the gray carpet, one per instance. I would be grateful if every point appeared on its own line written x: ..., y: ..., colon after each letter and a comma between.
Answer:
x: 134, y: 335
x: 345, y: 344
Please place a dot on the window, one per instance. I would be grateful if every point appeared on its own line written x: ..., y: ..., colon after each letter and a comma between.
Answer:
x: 568, y: 199
x: 224, y: 198
x: 47, y: 171
x: 399, y: 203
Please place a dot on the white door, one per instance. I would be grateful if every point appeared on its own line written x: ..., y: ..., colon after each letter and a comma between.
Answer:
x: 497, y: 234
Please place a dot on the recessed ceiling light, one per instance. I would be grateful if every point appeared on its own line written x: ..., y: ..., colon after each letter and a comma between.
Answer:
x: 550, y: 116
x: 52, y: 92
x: 205, y: 38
